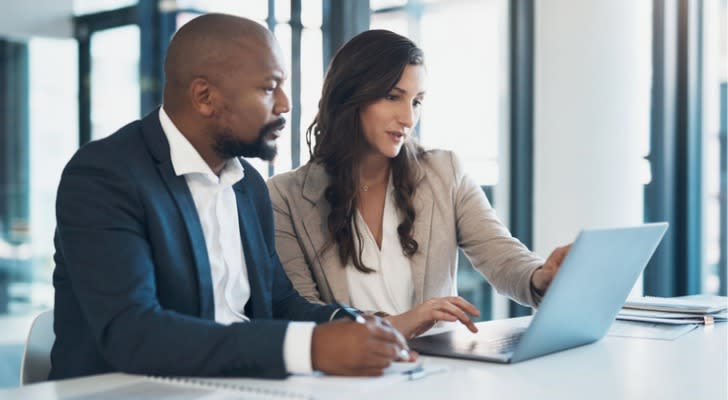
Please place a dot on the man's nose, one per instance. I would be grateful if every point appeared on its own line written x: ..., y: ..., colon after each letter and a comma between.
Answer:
x: 282, y: 105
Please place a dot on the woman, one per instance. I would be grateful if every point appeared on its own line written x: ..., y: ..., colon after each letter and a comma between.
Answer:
x: 373, y: 219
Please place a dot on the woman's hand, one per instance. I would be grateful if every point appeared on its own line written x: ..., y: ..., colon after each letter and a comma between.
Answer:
x: 424, y: 316
x: 542, y: 277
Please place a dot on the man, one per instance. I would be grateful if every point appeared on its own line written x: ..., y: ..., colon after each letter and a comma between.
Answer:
x: 165, y: 255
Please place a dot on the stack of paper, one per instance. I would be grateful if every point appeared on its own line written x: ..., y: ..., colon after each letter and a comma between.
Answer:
x: 697, y: 309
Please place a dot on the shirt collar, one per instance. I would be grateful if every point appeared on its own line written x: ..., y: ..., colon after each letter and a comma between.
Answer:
x: 186, y: 160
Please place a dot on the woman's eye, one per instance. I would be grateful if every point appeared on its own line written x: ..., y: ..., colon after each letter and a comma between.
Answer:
x: 391, y: 97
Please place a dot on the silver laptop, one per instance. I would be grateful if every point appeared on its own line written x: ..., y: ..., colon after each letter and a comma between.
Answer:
x: 578, y: 308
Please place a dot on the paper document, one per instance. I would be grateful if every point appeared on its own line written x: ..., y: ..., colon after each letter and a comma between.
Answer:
x: 645, y: 330
x: 673, y: 318
x: 325, y: 387
x: 665, y: 314
x: 698, y: 304
x: 701, y: 320
x: 161, y: 390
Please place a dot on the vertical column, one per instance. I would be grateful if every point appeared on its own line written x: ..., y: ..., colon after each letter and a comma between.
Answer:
x: 84, y: 85
x: 673, y: 195
x: 14, y: 167
x: 342, y: 19
x: 270, y: 21
x: 14, y: 160
x: 592, y: 72
x: 723, y: 135
x: 296, y: 32
x: 156, y: 27
x: 521, y: 122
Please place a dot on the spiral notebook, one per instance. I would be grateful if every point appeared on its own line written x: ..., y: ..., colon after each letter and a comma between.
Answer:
x: 157, y: 388
x: 118, y: 386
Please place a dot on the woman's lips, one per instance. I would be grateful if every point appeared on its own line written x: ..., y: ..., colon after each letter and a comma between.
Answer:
x: 396, y: 136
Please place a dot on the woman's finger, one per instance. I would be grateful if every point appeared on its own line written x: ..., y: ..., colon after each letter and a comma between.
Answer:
x: 464, y: 305
x: 454, y: 310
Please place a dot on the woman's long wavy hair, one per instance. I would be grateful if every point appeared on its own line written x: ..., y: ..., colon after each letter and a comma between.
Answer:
x: 363, y: 71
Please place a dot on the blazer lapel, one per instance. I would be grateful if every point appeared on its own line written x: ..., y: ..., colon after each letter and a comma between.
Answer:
x: 423, y: 203
x: 315, y: 225
x: 177, y: 187
x: 256, y: 258
x: 329, y: 261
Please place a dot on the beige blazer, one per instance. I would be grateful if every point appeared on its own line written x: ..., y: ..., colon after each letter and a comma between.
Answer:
x: 451, y: 211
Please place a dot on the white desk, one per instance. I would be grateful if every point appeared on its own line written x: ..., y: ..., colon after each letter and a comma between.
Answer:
x: 694, y: 366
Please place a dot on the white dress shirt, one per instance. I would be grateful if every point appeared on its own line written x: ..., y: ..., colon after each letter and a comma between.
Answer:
x: 217, y: 209
x: 389, y: 288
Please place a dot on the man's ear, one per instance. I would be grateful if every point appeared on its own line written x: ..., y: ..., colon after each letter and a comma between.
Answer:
x: 202, y: 95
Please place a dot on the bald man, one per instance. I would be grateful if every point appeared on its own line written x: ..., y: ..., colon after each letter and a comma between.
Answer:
x: 165, y: 255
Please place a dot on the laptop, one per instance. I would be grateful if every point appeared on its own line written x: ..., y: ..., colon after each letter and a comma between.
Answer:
x: 580, y: 305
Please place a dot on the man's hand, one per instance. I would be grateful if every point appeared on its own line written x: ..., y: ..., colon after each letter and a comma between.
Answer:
x: 542, y: 277
x: 350, y: 348
x: 424, y: 316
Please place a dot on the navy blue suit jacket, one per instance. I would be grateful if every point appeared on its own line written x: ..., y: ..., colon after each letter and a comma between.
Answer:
x: 132, y: 276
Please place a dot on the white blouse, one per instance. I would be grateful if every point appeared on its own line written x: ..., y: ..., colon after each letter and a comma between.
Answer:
x: 389, y: 288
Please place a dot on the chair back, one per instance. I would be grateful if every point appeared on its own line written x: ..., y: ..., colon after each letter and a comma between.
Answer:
x: 36, y: 363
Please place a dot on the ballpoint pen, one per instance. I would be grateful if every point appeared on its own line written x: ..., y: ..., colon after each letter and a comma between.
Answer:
x: 356, y: 317
x: 416, y: 373
x: 420, y: 372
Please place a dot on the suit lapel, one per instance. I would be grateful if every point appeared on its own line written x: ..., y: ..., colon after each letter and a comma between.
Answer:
x: 256, y: 258
x: 315, y: 225
x: 318, y: 234
x: 177, y: 187
x: 423, y: 203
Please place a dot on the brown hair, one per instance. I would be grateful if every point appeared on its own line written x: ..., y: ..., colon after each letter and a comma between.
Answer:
x: 364, y: 70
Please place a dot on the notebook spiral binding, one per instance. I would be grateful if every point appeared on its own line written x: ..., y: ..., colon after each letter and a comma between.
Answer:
x: 259, y: 392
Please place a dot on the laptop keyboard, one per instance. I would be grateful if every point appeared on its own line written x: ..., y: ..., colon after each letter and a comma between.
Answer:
x: 490, y: 345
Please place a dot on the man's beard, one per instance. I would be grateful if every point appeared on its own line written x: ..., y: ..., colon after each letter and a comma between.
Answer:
x: 228, y: 146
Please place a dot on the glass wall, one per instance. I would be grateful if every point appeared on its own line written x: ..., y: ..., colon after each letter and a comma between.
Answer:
x: 465, y: 105
x: 312, y: 69
x: 81, y: 7
x: 715, y: 82
x: 465, y: 110
x: 26, y: 243
x: 53, y: 140
x: 115, y: 85
x: 299, y: 34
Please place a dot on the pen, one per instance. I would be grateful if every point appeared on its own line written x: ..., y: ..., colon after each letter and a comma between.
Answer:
x: 356, y: 317
x: 417, y: 373
x: 420, y: 372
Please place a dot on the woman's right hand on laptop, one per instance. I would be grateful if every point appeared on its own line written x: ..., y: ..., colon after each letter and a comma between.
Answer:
x: 424, y: 316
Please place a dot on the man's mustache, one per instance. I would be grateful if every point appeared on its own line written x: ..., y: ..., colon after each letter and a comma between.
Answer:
x: 279, y: 123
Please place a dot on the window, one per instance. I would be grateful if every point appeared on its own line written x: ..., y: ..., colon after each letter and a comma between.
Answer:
x: 115, y: 87
x: 688, y: 163
x: 715, y: 82
x: 41, y: 151
x: 81, y: 7
x: 297, y: 26
x: 464, y: 107
x: 53, y: 140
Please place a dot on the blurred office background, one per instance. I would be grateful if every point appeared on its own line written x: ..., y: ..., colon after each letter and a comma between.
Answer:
x: 569, y: 113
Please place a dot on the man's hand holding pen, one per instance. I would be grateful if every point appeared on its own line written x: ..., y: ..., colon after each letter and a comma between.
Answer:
x: 364, y: 348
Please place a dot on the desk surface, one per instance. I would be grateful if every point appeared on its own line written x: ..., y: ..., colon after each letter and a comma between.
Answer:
x: 693, y: 366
